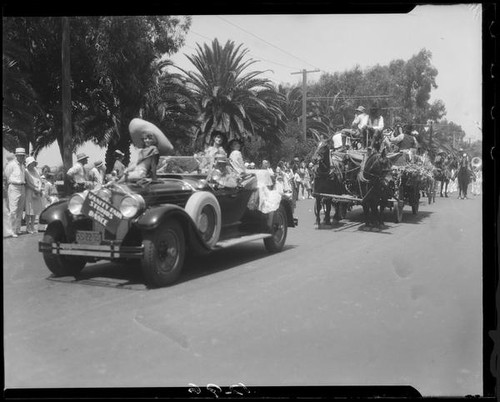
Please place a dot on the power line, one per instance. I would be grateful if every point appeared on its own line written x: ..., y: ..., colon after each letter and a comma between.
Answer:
x: 349, y: 97
x: 252, y: 54
x: 270, y: 44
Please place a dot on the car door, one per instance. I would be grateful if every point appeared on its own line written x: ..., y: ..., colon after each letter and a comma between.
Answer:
x: 233, y: 203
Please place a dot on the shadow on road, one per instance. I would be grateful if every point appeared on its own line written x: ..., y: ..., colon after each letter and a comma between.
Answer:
x: 222, y: 260
x: 355, y: 220
x: 129, y: 275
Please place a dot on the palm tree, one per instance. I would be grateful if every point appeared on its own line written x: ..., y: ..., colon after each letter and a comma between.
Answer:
x: 172, y: 106
x: 20, y: 106
x: 229, y: 98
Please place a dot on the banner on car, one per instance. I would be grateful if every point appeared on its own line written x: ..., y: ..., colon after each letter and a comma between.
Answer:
x: 102, y: 212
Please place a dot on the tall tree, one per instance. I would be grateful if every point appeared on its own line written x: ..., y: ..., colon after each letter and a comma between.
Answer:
x: 231, y: 99
x: 66, y: 100
x: 113, y: 66
x: 20, y: 106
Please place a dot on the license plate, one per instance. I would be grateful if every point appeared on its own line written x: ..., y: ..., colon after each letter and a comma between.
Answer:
x: 88, y: 237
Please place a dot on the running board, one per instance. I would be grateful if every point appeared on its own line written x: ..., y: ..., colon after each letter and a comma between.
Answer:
x: 242, y: 239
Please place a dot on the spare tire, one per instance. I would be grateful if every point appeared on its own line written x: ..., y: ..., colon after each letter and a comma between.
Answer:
x: 204, y: 210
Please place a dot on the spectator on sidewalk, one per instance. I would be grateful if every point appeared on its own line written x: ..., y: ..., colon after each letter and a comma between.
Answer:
x: 15, y: 174
x: 33, y: 195
x: 77, y: 174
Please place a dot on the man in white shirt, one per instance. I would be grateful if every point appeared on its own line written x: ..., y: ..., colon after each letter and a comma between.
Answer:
x: 77, y: 173
x: 15, y: 173
x: 96, y: 174
x: 360, y: 124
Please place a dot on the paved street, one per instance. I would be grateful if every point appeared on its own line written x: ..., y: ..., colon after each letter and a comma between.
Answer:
x: 339, y: 306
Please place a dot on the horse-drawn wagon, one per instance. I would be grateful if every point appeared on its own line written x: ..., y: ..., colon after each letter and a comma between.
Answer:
x: 374, y: 180
x: 354, y: 177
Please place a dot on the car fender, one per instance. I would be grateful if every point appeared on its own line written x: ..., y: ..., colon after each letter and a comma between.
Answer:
x: 153, y: 218
x: 55, y: 212
x: 194, y: 207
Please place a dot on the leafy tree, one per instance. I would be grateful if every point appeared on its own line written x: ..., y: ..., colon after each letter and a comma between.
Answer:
x: 407, y: 83
x: 231, y: 99
x: 20, y: 106
x: 113, y: 64
x: 127, y: 54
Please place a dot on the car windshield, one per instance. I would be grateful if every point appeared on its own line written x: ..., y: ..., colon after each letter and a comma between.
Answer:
x: 193, y: 165
x: 182, y: 165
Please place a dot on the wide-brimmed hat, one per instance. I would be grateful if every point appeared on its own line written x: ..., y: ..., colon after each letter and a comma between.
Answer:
x: 81, y: 157
x: 98, y: 164
x: 360, y: 109
x: 138, y: 127
x: 30, y: 160
x: 119, y: 153
x: 20, y: 151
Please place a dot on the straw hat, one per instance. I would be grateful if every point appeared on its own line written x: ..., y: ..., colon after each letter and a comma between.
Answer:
x: 81, y: 157
x: 20, y: 151
x: 30, y: 160
x: 360, y: 109
x: 139, y: 127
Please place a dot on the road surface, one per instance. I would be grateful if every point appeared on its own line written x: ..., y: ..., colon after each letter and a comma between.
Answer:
x: 339, y: 306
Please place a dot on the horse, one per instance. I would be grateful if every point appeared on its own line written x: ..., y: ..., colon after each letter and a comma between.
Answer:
x: 327, y: 180
x: 463, y: 176
x: 375, y: 177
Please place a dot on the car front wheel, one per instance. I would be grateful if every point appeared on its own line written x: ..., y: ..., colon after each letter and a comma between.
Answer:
x: 60, y: 265
x: 164, y: 252
x: 278, y: 226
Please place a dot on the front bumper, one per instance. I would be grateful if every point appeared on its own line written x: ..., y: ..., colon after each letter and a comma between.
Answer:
x: 104, y: 251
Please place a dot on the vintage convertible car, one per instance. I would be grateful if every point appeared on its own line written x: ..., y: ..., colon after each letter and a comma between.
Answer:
x: 187, y: 208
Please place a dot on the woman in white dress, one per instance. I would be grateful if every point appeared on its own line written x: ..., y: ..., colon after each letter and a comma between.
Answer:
x: 33, y: 194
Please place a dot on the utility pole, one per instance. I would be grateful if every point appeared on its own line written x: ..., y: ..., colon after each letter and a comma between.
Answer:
x: 66, y: 100
x: 304, y: 98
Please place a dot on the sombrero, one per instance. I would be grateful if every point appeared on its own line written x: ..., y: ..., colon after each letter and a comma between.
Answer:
x: 139, y: 127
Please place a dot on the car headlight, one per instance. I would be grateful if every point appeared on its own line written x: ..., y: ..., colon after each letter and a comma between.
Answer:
x: 75, y: 203
x: 131, y: 205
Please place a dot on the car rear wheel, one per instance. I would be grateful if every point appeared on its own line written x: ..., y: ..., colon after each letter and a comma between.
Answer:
x: 164, y: 252
x: 278, y: 226
x: 60, y: 265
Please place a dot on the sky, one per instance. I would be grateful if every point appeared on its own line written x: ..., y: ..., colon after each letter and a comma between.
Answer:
x: 287, y: 44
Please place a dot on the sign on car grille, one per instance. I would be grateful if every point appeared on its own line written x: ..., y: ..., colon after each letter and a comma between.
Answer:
x: 102, y: 212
